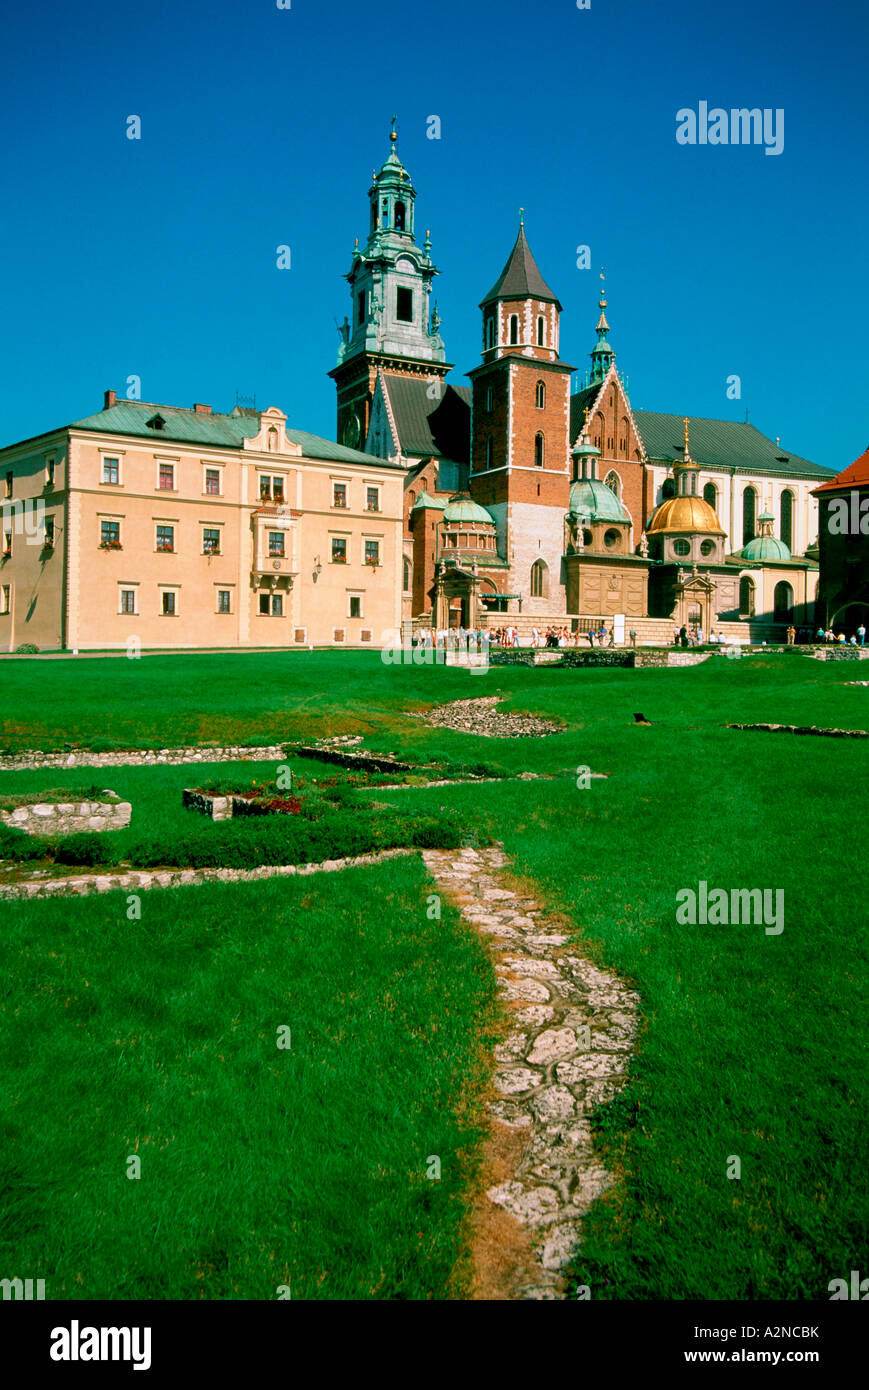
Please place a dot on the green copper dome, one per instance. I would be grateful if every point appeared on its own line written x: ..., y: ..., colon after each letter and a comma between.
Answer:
x: 593, y: 499
x: 765, y: 548
x: 460, y: 508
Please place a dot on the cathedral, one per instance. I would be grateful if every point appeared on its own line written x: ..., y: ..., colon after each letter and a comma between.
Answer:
x: 529, y: 502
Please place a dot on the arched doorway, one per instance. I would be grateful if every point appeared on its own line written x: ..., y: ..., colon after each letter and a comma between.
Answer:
x: 746, y: 597
x: 783, y: 602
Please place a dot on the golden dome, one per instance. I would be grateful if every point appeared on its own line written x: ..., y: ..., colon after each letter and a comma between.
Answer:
x: 687, y: 513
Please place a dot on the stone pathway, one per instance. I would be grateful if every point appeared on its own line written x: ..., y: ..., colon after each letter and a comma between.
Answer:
x: 143, y: 757
x: 572, y: 1026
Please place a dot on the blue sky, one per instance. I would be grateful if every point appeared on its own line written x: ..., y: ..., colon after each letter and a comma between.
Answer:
x: 260, y: 127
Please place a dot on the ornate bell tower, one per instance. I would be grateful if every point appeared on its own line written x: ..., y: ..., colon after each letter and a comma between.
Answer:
x: 392, y: 323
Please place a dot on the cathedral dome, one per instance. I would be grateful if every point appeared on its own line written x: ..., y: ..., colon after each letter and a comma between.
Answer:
x: 685, y: 514
x: 766, y: 546
x: 463, y: 508
x: 593, y: 499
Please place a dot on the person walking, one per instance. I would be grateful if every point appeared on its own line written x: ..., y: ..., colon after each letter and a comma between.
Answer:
x: 861, y: 635
x: 792, y: 632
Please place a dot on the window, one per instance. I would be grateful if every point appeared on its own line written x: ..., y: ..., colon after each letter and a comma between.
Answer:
x: 128, y: 601
x: 49, y: 533
x: 613, y: 482
x: 355, y: 606
x: 540, y: 331
x: 407, y: 573
x: 111, y: 470
x: 167, y: 477
x: 110, y: 535
x: 399, y: 216
x: 681, y: 547
x: 339, y: 494
x: 707, y: 548
x: 710, y: 495
x: 514, y: 328
x: 212, y: 482
x: 749, y: 515
x: 372, y: 552
x: 337, y: 634
x: 746, y: 597
x: 360, y: 309
x: 489, y: 399
x: 5, y: 598
x: 612, y: 539
x: 49, y: 472
x: 166, y: 538
x: 539, y: 579
x: 339, y: 550
x: 264, y: 605
x: 668, y: 489
x: 224, y: 600
x: 277, y: 605
x: 538, y: 451
x: 7, y: 544
x: 489, y: 451
x: 276, y: 543
x: 787, y: 518
x: 169, y: 606
x: 540, y: 395
x: 271, y: 489
x: 271, y: 605
x: 490, y: 336
x: 210, y: 541
x: 404, y: 305
x: 372, y: 499
x: 9, y: 477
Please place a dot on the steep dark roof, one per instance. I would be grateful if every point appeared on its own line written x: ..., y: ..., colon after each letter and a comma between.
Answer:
x: 520, y: 278
x: 427, y: 427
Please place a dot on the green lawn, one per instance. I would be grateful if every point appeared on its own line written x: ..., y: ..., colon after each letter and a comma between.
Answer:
x: 261, y: 1166
x: 752, y: 1045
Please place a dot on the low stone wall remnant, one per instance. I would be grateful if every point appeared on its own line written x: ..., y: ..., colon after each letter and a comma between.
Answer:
x: 140, y: 757
x: 68, y: 817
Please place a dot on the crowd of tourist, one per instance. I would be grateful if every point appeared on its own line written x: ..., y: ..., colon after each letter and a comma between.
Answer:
x: 603, y: 636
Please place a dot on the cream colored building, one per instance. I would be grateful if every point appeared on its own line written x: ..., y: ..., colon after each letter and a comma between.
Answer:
x: 170, y: 527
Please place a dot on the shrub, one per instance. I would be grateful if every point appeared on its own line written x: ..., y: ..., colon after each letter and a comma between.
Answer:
x: 27, y: 648
x: 15, y: 844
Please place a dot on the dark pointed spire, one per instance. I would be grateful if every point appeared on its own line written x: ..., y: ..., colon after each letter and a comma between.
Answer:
x: 520, y: 278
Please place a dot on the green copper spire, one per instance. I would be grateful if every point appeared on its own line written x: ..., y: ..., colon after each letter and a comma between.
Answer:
x: 603, y: 355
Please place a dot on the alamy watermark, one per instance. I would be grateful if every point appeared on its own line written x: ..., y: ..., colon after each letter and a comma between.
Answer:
x: 716, y: 907
x: 24, y: 518
x: 739, y: 126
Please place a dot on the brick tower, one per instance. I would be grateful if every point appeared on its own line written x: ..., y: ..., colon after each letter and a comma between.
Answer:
x: 520, y: 448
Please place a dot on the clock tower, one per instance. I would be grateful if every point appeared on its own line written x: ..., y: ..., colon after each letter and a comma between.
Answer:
x: 392, y: 324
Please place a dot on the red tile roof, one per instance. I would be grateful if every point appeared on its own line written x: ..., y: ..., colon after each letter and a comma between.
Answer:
x: 855, y: 475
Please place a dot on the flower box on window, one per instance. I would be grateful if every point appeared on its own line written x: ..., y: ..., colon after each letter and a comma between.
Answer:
x: 110, y: 545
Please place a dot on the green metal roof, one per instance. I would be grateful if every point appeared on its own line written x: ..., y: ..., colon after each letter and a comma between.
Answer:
x: 765, y: 548
x: 186, y: 426
x: 426, y: 500
x: 466, y: 509
x: 593, y: 499
x: 721, y: 444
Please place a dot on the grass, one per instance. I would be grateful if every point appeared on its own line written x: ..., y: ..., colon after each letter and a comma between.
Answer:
x: 261, y: 1166
x: 751, y: 1045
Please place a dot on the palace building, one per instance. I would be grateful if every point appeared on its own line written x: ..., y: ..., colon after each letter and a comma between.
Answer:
x: 154, y: 526
x: 528, y: 502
